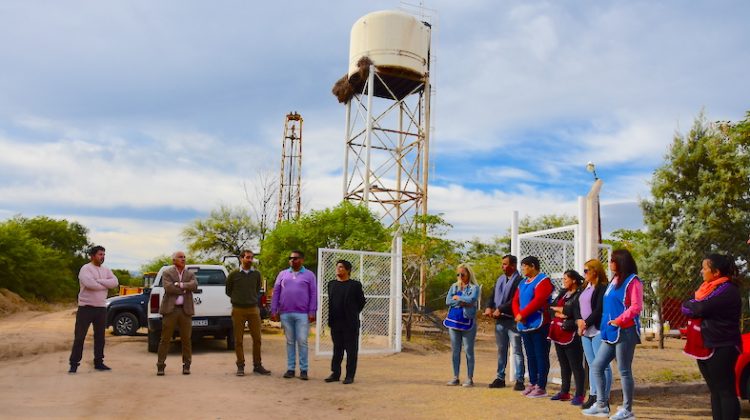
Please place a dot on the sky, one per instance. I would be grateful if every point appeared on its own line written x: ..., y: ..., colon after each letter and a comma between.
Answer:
x: 135, y: 118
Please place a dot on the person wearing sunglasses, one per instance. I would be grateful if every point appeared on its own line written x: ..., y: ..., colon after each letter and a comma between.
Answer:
x: 295, y: 303
x: 588, y: 314
x: 461, y: 321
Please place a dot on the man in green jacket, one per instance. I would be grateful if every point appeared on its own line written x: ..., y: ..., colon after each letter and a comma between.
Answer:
x: 243, y: 288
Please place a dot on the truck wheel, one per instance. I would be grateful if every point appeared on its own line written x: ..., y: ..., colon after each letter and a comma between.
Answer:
x: 153, y: 340
x: 230, y: 340
x: 125, y: 323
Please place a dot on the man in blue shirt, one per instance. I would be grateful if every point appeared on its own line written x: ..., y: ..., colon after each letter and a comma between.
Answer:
x: 499, y: 307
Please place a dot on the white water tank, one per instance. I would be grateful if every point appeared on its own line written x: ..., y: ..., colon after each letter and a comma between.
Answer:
x: 393, y: 40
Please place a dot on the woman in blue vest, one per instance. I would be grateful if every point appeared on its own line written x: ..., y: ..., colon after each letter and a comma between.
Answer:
x: 713, y: 336
x: 620, y: 331
x: 531, y: 309
x: 461, y: 321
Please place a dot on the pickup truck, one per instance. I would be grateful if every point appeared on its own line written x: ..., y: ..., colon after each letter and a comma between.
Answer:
x: 127, y: 313
x: 213, y: 310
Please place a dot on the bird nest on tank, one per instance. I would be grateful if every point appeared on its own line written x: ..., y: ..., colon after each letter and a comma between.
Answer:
x: 400, y: 82
x: 343, y: 89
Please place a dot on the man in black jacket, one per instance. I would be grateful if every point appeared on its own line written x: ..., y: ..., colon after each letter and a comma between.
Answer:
x: 499, y: 306
x: 346, y: 300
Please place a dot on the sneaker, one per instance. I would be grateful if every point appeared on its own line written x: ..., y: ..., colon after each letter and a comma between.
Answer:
x: 537, y: 393
x: 577, y: 400
x: 289, y: 374
x: 160, y: 369
x: 101, y: 367
x: 240, y: 370
x: 260, y: 370
x: 589, y: 402
x: 303, y: 375
x: 497, y: 383
x: 519, y: 386
x: 186, y: 369
x: 597, y: 410
x: 73, y: 368
x: 528, y: 389
x: 623, y: 414
x: 453, y: 382
x: 561, y: 396
x: 469, y: 383
x: 332, y: 378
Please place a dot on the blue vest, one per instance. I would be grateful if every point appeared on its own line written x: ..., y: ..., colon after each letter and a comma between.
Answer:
x: 614, y: 306
x: 526, y: 292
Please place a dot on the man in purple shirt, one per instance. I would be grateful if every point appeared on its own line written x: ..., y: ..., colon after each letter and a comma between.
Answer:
x: 295, y: 302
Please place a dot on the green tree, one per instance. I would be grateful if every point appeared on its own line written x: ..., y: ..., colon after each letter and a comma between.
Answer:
x: 346, y: 226
x: 700, y: 204
x: 426, y: 248
x: 226, y: 231
x: 30, y: 268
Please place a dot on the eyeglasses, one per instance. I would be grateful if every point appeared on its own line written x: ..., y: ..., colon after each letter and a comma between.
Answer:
x: 294, y: 258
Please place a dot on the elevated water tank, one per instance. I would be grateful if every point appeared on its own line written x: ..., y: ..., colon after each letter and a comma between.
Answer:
x: 397, y: 44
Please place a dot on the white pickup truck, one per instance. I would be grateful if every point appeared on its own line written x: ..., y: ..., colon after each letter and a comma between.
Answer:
x: 213, y: 309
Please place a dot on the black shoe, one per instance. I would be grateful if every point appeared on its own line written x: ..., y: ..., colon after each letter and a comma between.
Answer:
x: 101, y: 367
x: 348, y: 381
x: 73, y: 368
x: 260, y: 370
x: 240, y: 370
x: 160, y: 369
x: 519, y: 386
x: 186, y: 369
x: 303, y: 375
x: 289, y: 374
x: 589, y: 402
x: 498, y: 383
x: 332, y: 378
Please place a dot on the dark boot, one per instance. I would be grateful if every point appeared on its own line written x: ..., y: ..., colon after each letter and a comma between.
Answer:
x: 240, y: 369
x: 186, y: 369
x: 160, y: 369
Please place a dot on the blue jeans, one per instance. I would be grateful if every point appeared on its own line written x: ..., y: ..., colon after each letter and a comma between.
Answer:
x: 624, y: 350
x: 296, y: 329
x: 505, y: 332
x: 590, y: 348
x: 467, y: 339
x: 537, y: 351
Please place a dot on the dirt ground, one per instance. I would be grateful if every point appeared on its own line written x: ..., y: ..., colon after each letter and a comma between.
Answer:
x: 34, y: 382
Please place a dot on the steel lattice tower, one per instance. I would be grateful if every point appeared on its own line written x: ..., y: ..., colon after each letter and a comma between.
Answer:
x: 290, y: 178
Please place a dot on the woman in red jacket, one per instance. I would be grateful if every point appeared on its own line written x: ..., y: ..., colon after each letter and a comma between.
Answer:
x: 531, y: 310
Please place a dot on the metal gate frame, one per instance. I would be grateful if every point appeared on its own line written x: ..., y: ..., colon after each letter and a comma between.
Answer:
x: 393, y: 320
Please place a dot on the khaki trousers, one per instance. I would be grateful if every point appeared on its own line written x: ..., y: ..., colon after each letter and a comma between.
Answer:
x: 178, y: 318
x: 252, y: 316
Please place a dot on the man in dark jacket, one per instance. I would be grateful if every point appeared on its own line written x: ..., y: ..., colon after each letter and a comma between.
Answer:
x: 346, y: 300
x: 243, y: 289
x: 499, y: 306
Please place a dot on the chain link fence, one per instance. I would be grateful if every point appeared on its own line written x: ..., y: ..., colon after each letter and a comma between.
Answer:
x: 380, y: 330
x: 664, y: 293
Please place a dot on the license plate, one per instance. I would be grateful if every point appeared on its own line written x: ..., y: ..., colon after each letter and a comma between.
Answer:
x: 200, y: 323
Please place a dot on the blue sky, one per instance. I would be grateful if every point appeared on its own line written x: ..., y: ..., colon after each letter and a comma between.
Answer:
x: 136, y: 117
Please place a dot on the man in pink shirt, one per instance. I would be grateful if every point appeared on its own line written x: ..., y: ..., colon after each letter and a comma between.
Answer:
x: 95, y: 280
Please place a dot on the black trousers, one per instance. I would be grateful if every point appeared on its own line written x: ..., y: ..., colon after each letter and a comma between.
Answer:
x: 344, y: 341
x: 570, y: 357
x: 86, y: 316
x: 718, y: 371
